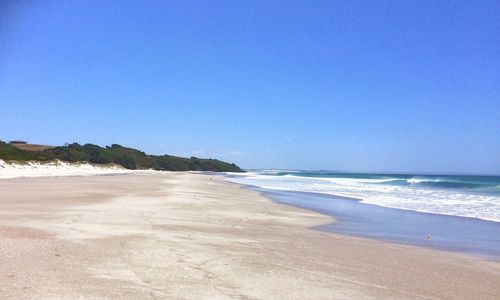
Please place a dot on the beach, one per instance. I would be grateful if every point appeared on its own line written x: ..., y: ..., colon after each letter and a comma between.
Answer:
x: 187, y: 235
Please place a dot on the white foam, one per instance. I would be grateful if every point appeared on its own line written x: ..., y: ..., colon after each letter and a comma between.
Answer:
x: 448, y: 202
x: 419, y: 180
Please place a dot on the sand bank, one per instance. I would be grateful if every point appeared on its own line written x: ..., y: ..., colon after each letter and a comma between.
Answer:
x: 191, y: 236
x: 58, y: 168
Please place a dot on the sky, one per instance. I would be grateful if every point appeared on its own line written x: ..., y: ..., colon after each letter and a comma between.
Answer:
x: 365, y: 86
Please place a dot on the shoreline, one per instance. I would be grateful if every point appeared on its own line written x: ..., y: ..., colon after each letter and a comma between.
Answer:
x: 450, y: 233
x: 474, y: 197
x: 189, y: 235
x: 455, y: 234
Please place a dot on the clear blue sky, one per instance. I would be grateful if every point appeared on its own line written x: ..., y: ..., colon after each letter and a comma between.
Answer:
x: 402, y: 86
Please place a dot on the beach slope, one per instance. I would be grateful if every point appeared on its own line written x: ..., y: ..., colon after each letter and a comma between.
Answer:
x: 191, y: 236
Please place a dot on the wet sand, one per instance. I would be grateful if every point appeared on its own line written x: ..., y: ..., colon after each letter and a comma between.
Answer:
x: 443, y: 232
x: 193, y: 236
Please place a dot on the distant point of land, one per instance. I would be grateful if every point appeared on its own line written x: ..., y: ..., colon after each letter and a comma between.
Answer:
x: 128, y: 158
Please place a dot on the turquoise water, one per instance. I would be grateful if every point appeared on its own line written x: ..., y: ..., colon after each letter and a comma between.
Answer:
x: 457, y: 195
x: 448, y: 212
x: 479, y: 183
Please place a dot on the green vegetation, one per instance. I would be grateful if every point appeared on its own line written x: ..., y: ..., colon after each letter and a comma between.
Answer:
x: 127, y: 157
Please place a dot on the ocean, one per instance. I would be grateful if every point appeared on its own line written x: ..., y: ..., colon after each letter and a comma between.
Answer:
x: 457, y: 195
x: 447, y: 212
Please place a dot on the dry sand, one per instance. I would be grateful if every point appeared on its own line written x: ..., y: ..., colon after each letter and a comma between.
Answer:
x: 13, y: 169
x: 195, y: 236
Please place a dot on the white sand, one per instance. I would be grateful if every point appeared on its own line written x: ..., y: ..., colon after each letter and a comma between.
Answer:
x: 57, y: 168
x: 193, y: 236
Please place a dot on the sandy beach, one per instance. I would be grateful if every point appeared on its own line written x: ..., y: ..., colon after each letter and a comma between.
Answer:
x: 196, y: 236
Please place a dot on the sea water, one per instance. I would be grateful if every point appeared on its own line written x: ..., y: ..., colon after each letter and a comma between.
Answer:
x: 457, y: 195
x: 448, y: 212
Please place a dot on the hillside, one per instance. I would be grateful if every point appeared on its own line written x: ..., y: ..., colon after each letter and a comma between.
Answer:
x: 32, y: 147
x: 127, y: 157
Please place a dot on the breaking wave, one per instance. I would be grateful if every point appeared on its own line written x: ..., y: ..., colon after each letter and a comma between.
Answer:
x: 466, y: 196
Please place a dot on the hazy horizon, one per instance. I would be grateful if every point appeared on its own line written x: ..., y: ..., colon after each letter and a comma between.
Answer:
x: 375, y: 87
